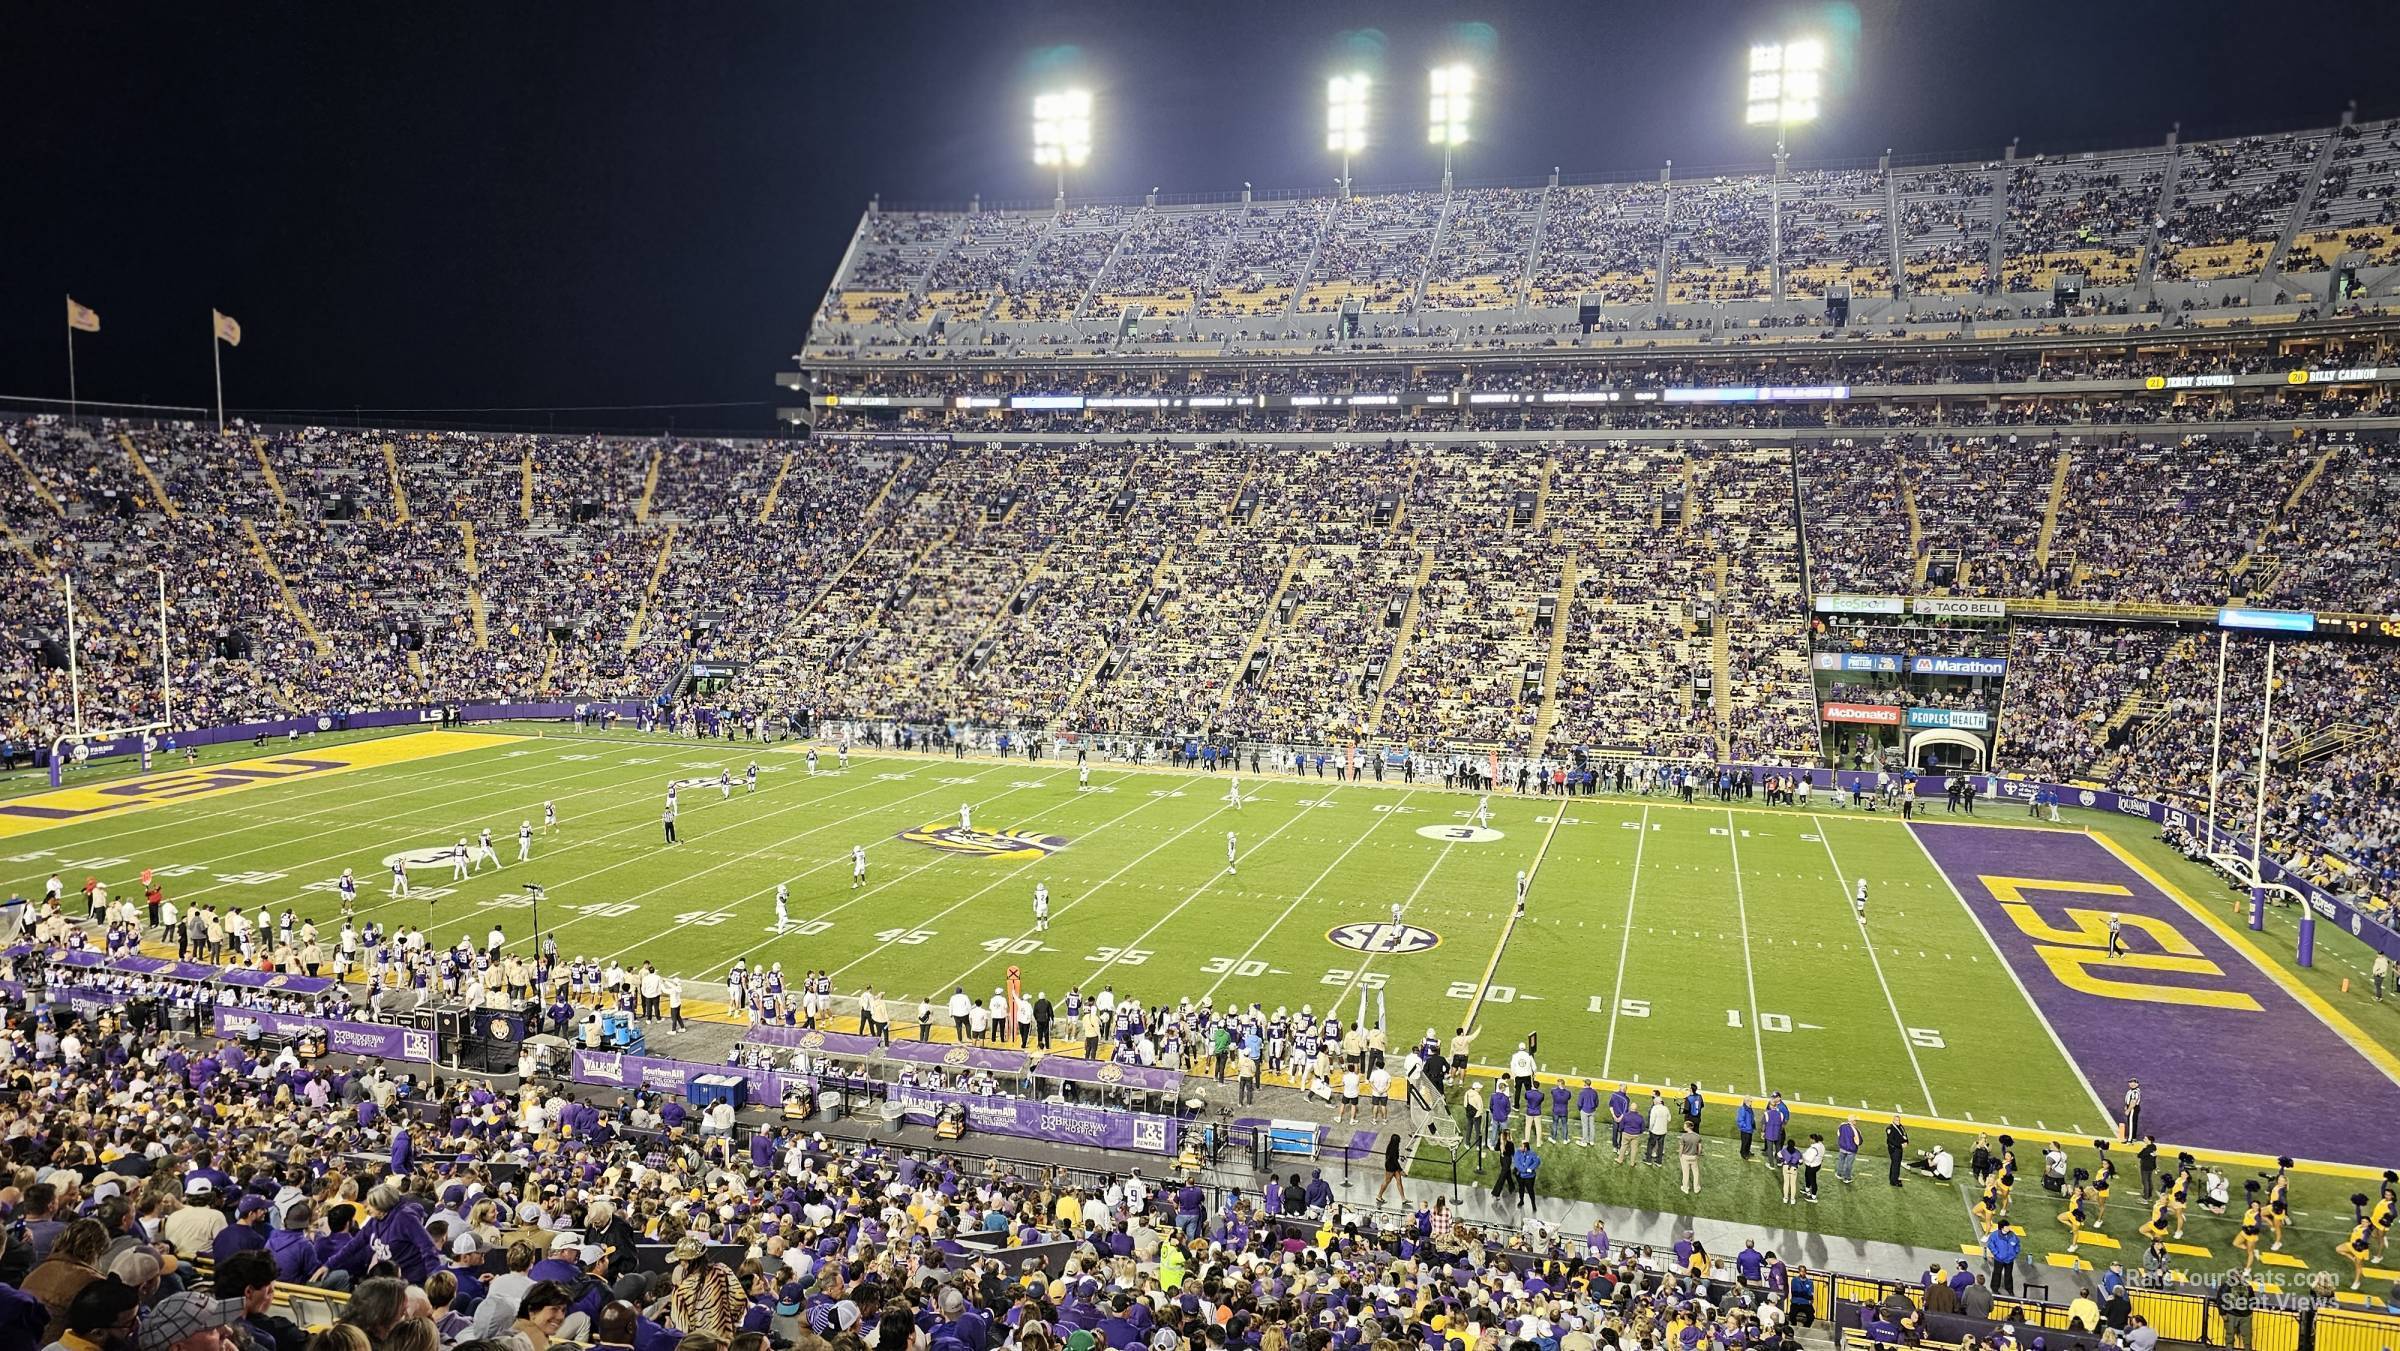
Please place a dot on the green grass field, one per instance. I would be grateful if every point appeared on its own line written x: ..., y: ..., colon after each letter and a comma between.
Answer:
x: 1664, y: 943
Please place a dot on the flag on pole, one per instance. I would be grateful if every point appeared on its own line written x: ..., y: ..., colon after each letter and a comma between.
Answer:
x: 229, y: 329
x: 82, y: 317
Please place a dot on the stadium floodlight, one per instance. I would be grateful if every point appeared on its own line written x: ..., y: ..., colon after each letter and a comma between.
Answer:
x: 1062, y: 132
x: 1449, y: 109
x: 1346, y: 120
x: 1786, y: 80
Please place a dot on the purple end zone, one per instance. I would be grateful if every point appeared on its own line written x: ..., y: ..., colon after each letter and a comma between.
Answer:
x: 2267, y: 1076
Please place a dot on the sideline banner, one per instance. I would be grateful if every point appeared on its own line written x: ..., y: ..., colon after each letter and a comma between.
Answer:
x: 342, y: 1036
x: 1056, y: 1122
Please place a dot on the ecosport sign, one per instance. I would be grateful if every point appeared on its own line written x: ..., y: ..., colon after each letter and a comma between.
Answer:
x: 1859, y: 605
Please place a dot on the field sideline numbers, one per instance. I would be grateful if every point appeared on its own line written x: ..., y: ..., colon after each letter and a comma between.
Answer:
x: 1227, y: 966
x: 1371, y: 980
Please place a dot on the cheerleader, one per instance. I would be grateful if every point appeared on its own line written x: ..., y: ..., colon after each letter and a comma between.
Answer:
x: 2279, y: 1203
x: 2101, y: 1178
x: 2254, y: 1223
x: 2180, y: 1191
x: 2356, y: 1249
x: 1991, y: 1205
x: 2166, y: 1213
x: 2381, y: 1214
x: 2075, y: 1218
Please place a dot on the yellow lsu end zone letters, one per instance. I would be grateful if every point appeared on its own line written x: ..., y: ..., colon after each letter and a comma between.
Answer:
x: 66, y: 806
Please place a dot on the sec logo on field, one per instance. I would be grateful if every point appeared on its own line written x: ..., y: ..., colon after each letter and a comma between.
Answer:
x: 1383, y: 938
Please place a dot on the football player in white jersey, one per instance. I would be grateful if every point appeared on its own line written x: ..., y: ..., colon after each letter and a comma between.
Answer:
x: 1041, y: 907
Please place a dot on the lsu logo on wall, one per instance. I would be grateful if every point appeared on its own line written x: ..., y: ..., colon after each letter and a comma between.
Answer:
x: 1383, y: 938
x: 1007, y: 844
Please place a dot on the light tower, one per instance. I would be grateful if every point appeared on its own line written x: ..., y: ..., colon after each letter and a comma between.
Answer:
x: 1447, y: 112
x: 1062, y: 133
x: 1346, y: 120
x: 1786, y: 79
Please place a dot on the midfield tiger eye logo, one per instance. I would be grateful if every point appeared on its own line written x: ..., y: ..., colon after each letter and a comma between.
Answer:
x: 1003, y: 844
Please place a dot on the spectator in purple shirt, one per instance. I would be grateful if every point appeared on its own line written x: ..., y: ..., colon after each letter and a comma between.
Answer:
x: 247, y: 1233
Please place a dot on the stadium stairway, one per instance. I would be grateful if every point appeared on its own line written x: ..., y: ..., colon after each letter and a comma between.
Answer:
x: 1547, y: 719
x: 40, y: 489
x: 1721, y: 666
x: 766, y: 509
x: 2058, y: 495
x: 1400, y: 644
x: 391, y: 465
x: 525, y: 487
x: 266, y: 470
x: 641, y: 509
x: 1523, y: 290
x: 1916, y: 529
x: 291, y: 602
x: 1266, y: 620
x: 2305, y: 206
x: 158, y: 490
x: 475, y: 605
x: 658, y: 574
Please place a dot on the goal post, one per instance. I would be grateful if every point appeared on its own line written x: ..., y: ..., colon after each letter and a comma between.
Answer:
x: 73, y: 750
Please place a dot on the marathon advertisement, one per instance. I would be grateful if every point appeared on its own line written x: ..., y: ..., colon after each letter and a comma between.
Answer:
x: 1874, y: 715
x: 1957, y: 666
x: 1956, y: 719
x: 341, y: 1037
x: 1873, y: 663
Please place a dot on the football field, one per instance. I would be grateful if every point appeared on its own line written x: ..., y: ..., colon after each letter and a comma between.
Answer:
x: 1663, y: 943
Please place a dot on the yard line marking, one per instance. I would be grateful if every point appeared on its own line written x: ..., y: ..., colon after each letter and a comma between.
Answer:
x: 2022, y: 992
x: 320, y: 786
x: 1625, y: 945
x: 1359, y: 974
x: 1842, y: 893
x: 777, y: 843
x: 1741, y: 910
x: 874, y: 888
x: 961, y: 978
x: 273, y: 810
x: 290, y: 897
x: 1509, y: 927
x: 1213, y: 879
x: 389, y: 901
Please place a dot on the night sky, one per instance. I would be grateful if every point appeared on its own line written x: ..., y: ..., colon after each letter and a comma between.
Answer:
x: 486, y: 206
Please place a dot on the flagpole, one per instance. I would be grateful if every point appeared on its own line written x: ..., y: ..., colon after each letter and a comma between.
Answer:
x: 216, y: 358
x: 71, y: 401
